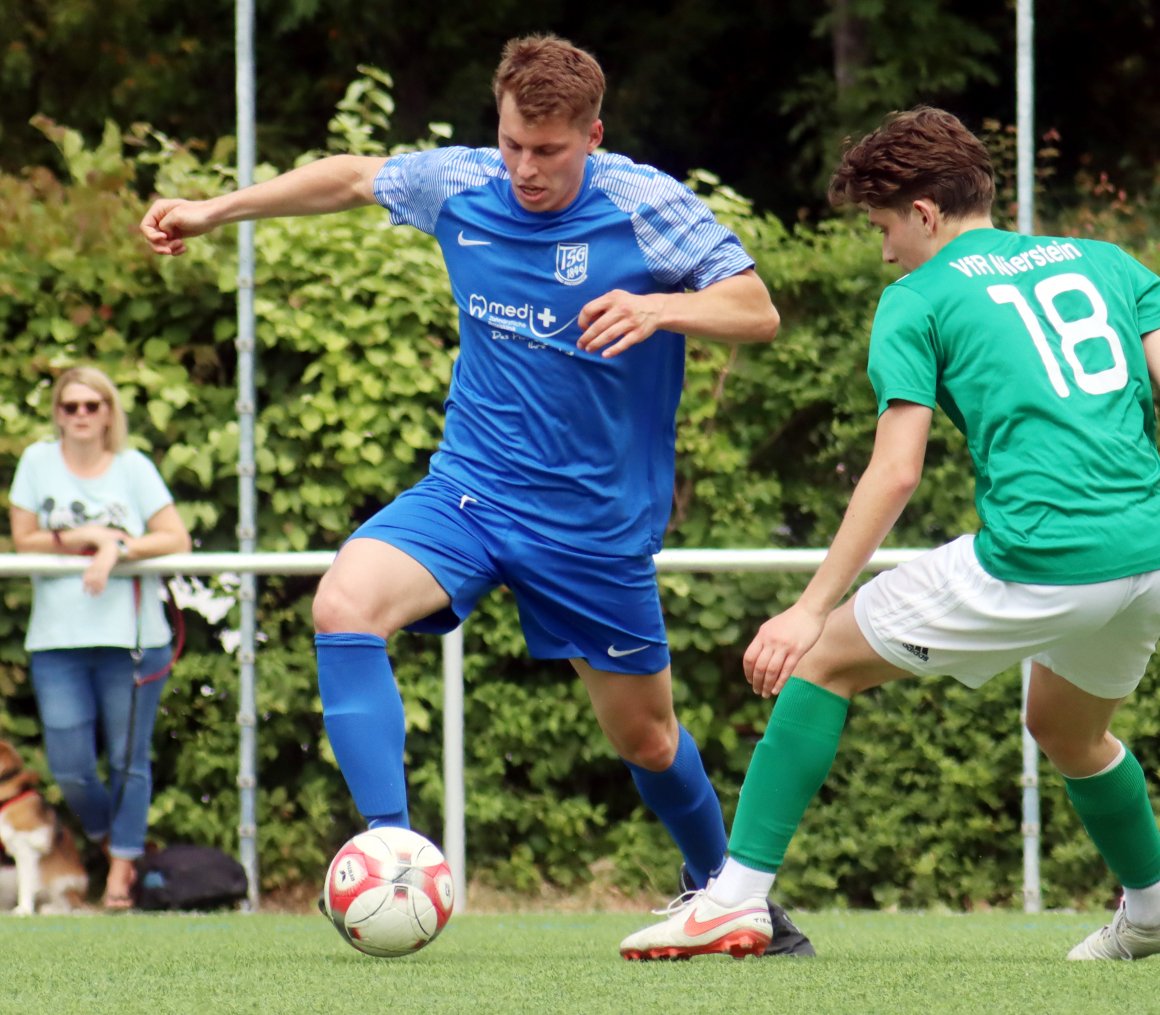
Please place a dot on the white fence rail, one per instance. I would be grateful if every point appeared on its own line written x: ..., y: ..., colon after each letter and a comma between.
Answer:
x: 454, y: 832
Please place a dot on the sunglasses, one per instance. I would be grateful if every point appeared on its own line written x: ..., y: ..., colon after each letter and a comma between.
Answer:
x: 90, y: 407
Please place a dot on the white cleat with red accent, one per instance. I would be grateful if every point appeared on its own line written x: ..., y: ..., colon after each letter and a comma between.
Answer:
x: 699, y: 925
x: 1118, y: 940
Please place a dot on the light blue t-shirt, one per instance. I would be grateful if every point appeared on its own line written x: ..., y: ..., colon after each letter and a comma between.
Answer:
x: 124, y: 496
x: 577, y: 448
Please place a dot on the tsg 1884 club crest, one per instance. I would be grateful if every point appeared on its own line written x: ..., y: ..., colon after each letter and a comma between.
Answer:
x: 571, y: 262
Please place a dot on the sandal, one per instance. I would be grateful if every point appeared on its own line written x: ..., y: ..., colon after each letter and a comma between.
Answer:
x: 119, y: 886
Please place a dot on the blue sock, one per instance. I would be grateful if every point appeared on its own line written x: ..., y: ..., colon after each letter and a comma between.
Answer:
x: 363, y: 713
x: 685, y: 802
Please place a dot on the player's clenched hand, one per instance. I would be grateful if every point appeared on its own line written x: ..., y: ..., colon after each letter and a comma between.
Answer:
x: 170, y: 221
x: 778, y: 647
x: 618, y: 320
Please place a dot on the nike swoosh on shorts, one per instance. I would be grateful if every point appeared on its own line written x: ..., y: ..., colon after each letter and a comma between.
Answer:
x: 616, y: 653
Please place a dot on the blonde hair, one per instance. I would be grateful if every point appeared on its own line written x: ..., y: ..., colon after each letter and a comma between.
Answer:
x: 548, y: 77
x: 117, y: 432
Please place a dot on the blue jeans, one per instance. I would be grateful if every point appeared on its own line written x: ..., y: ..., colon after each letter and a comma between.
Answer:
x: 85, y: 696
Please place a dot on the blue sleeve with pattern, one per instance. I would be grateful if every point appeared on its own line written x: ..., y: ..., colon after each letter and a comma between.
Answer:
x: 682, y: 243
x: 414, y: 186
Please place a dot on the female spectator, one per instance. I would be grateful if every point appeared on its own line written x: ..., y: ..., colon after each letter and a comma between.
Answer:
x: 99, y: 643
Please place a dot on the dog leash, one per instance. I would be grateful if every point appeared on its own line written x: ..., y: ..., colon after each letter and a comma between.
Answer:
x: 137, y: 654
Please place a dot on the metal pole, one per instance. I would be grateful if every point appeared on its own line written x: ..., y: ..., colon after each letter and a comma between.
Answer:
x: 454, y: 795
x: 670, y: 561
x: 247, y: 514
x: 1025, y: 192
x: 1032, y: 893
x: 315, y: 562
x: 1025, y: 115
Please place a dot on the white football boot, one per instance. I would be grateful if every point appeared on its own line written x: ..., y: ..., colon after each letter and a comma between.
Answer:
x: 698, y: 925
x: 1118, y: 940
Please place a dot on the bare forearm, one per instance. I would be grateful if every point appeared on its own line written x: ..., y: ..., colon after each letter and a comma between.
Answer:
x: 166, y: 535
x: 890, y: 479
x: 736, y: 310
x: 333, y: 184
x: 874, y: 508
x: 91, y: 538
x: 156, y: 544
x: 38, y: 541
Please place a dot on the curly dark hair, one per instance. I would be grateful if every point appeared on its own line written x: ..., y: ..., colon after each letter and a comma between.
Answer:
x: 923, y: 152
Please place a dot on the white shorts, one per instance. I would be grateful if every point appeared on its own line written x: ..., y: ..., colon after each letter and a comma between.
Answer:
x: 941, y: 613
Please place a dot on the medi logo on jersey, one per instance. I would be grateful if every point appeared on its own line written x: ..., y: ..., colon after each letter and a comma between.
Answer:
x: 538, y: 323
x: 523, y: 318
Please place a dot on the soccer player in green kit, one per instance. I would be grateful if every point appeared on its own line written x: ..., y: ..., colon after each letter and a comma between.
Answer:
x: 1043, y: 352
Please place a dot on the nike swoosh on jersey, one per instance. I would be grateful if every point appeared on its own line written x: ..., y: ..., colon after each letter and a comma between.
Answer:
x: 465, y: 242
x: 695, y: 927
x: 616, y: 653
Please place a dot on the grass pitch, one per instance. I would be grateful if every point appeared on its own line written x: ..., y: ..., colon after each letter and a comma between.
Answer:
x: 138, y: 964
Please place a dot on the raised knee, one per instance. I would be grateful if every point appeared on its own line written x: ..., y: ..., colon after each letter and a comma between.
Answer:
x: 841, y: 681
x: 341, y: 607
x: 1048, y: 735
x: 325, y: 612
x: 335, y: 611
x: 653, y: 748
x: 1064, y: 749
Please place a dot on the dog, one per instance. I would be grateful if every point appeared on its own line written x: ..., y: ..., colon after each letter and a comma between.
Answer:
x: 47, y: 874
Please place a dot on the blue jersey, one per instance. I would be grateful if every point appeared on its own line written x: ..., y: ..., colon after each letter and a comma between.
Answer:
x: 575, y: 447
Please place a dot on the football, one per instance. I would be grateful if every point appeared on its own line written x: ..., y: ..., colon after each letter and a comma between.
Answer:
x: 388, y: 891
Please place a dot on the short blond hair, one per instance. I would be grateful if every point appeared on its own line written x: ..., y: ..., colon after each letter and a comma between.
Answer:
x: 548, y: 77
x: 117, y: 432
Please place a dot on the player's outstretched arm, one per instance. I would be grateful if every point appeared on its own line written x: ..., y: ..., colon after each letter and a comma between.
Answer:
x: 332, y: 184
x: 736, y: 309
x: 889, y: 481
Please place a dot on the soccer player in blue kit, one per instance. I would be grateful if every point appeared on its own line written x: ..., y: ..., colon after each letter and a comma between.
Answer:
x: 577, y: 273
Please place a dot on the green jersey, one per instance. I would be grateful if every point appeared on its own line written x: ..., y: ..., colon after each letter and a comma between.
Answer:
x: 1031, y: 345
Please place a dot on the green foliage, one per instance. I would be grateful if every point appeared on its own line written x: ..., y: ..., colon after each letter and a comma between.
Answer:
x: 875, y: 71
x: 761, y: 93
x: 356, y: 341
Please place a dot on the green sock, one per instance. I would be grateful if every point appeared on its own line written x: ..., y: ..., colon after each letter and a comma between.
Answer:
x: 788, y: 767
x: 1115, y: 809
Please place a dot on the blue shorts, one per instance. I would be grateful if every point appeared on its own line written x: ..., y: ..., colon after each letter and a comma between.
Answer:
x: 605, y: 610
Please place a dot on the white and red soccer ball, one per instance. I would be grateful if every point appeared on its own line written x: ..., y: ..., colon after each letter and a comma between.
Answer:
x: 389, y: 891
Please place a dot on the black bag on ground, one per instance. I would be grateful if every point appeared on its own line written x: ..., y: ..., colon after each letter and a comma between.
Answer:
x: 189, y: 877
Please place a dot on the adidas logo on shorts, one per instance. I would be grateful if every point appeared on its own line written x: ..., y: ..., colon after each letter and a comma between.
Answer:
x: 918, y: 650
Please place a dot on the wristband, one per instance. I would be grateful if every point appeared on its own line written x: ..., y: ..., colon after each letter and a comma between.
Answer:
x: 56, y: 540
